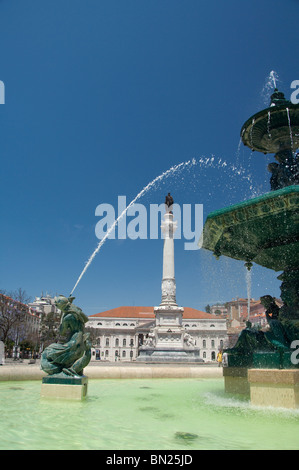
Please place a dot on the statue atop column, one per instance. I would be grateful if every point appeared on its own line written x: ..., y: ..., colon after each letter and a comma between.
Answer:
x: 168, y: 203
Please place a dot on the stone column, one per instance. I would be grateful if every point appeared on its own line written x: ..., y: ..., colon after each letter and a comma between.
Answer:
x: 169, y: 332
x: 168, y: 341
x: 168, y: 227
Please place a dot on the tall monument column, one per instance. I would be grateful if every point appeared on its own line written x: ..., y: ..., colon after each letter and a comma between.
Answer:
x: 168, y: 341
x: 169, y: 331
x: 168, y: 279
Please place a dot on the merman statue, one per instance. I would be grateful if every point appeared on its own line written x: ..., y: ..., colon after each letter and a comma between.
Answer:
x: 70, y: 357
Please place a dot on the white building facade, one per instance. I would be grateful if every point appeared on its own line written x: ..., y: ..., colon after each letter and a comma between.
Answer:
x: 121, y: 331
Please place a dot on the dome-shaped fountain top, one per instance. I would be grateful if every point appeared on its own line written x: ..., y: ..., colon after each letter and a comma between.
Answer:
x: 275, y: 128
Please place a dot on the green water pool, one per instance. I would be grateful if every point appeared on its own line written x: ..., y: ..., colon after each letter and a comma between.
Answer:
x: 142, y: 414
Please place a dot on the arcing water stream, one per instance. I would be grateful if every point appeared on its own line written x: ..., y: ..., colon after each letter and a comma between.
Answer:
x: 203, y: 161
x: 167, y: 173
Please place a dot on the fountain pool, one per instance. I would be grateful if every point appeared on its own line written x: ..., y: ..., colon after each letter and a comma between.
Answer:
x: 142, y: 414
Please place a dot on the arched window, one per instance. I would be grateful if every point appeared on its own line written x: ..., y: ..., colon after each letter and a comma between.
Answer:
x: 124, y: 342
x: 131, y: 354
x: 212, y: 326
x: 100, y: 323
x: 107, y: 341
x: 213, y: 343
x: 124, y: 353
x: 213, y: 356
x: 204, y: 344
x: 116, y: 342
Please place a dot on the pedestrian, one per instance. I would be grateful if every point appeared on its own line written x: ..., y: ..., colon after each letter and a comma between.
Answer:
x: 219, y: 358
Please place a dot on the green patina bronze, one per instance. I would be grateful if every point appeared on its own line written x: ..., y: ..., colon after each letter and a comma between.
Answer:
x: 265, y: 231
x: 68, y: 359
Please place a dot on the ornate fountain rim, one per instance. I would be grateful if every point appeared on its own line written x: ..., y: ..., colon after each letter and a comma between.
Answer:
x: 221, y: 227
x: 263, y: 136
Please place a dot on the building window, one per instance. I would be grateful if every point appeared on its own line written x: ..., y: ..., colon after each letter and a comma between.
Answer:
x: 107, y: 341
x: 107, y: 352
x: 131, y: 342
x: 124, y: 353
x: 117, y: 342
x: 131, y: 354
x: 125, y: 324
x: 213, y: 356
x: 117, y: 324
x: 204, y: 344
x: 204, y: 355
x: 124, y: 342
x: 212, y: 326
x: 213, y: 343
x: 99, y: 323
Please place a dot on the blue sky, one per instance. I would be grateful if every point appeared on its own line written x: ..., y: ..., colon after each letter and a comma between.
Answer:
x: 101, y: 97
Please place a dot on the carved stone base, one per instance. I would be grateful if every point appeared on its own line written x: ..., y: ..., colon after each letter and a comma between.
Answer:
x: 163, y: 355
x: 235, y: 380
x: 274, y: 387
x: 71, y: 388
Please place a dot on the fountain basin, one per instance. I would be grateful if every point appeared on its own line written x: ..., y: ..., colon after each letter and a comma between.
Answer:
x: 144, y: 414
x: 264, y: 230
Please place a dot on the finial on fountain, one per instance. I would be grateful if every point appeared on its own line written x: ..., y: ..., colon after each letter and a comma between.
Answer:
x: 278, y: 98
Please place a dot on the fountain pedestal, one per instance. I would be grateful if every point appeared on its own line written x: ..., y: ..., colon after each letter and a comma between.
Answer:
x: 72, y: 388
x: 236, y: 380
x: 274, y: 387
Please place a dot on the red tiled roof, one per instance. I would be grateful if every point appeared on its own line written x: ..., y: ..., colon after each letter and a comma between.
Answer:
x: 148, y: 312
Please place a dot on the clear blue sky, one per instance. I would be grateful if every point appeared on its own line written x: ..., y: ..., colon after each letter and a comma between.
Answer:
x: 104, y: 95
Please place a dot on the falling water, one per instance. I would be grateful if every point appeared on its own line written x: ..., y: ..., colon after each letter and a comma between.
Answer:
x: 238, y: 151
x: 248, y: 285
x: 268, y: 124
x: 291, y: 134
x: 251, y: 131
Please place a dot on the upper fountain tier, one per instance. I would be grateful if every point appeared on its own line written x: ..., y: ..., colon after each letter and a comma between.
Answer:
x: 273, y: 129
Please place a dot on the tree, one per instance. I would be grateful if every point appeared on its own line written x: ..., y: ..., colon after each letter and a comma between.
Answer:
x: 49, y: 327
x: 12, y: 318
x: 208, y: 308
